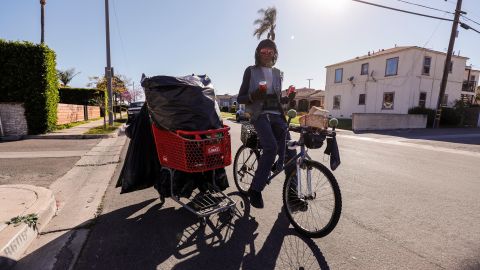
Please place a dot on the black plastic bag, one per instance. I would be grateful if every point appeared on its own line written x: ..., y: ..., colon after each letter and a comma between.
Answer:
x: 141, y: 167
x: 182, y: 103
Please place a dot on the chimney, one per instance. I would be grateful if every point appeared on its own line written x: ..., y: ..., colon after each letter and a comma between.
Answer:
x: 368, y: 53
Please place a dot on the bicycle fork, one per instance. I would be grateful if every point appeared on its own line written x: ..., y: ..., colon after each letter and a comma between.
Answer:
x: 309, y: 192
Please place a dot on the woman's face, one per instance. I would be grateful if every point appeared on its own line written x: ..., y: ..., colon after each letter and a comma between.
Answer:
x: 266, y: 57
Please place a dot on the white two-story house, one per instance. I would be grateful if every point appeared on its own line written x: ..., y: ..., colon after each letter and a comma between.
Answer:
x: 392, y: 81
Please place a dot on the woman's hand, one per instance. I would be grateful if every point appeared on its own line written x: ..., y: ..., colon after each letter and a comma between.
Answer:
x: 258, y: 95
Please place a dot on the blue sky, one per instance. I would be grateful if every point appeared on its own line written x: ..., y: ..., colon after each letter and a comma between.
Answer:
x: 181, y: 37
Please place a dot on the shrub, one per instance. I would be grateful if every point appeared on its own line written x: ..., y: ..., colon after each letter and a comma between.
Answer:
x: 80, y: 96
x: 421, y: 110
x: 224, y: 109
x: 450, y: 117
x: 233, y: 109
x: 28, y: 75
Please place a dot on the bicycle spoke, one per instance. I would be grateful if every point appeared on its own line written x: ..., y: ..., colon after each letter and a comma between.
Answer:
x: 313, y: 213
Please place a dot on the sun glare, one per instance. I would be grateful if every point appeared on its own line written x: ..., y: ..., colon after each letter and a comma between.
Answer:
x: 332, y: 4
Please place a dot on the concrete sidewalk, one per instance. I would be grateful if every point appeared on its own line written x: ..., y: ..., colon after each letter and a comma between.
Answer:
x: 67, y: 207
x: 76, y: 132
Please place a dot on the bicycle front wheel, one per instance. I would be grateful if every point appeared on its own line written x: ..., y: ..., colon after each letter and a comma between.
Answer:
x: 313, y: 209
x: 244, y: 167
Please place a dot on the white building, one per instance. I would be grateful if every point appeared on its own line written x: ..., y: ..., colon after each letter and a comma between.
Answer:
x: 392, y: 81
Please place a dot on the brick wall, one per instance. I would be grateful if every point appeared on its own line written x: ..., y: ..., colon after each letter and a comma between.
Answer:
x: 93, y: 112
x: 68, y: 113
x: 13, y: 119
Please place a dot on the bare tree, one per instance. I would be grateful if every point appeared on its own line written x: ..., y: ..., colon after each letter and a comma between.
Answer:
x: 266, y: 24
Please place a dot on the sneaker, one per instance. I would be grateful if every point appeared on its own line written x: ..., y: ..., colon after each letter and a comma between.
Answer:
x: 256, y: 199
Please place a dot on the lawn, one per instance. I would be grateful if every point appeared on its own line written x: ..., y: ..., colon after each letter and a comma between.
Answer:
x: 74, y: 124
x: 102, y: 130
x: 227, y: 115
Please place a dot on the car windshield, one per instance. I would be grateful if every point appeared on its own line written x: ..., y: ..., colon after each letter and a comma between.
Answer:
x: 136, y: 104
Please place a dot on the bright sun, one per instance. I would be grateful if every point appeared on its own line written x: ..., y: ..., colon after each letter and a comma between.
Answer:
x: 332, y: 4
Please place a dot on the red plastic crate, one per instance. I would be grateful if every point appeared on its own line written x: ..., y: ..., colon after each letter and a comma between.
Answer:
x: 193, y: 151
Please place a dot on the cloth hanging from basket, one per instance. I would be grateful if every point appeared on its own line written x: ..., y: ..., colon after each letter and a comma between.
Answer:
x: 141, y: 166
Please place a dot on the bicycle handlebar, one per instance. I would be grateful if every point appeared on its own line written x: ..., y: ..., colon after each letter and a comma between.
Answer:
x: 303, y: 129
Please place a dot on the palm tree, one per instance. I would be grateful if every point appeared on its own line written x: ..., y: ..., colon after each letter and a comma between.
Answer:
x: 66, y: 76
x: 42, y: 3
x: 267, y: 23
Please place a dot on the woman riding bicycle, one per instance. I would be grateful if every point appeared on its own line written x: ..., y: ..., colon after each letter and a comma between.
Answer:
x: 261, y: 93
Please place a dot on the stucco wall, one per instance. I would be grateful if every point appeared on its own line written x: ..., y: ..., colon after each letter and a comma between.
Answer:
x: 13, y: 119
x: 377, y: 121
x: 407, y: 85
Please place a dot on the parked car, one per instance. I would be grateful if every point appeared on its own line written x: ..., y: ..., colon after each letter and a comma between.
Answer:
x: 133, y: 110
x: 241, y: 115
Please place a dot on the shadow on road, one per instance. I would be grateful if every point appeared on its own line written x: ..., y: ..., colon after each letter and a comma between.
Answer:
x: 169, y: 238
x: 451, y: 135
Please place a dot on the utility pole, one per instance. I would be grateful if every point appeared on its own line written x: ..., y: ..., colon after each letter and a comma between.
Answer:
x: 42, y: 20
x: 309, y: 82
x: 108, y: 69
x: 443, y: 86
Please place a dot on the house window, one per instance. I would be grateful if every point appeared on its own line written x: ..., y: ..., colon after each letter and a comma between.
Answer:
x: 338, y: 75
x: 450, y: 67
x: 361, y: 99
x: 388, y: 99
x: 427, y: 62
x: 445, y: 100
x: 391, y: 68
x: 336, y: 102
x: 364, y: 70
x: 422, y: 100
x: 472, y: 78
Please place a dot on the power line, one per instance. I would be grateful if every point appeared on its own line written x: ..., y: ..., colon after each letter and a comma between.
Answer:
x: 402, y: 10
x: 468, y: 19
x: 463, y: 25
x: 120, y: 36
x: 415, y: 4
x: 468, y: 27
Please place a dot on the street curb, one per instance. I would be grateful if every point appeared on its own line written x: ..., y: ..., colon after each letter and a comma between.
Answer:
x: 79, y: 196
x: 72, y: 137
x: 15, y: 240
x: 114, y: 134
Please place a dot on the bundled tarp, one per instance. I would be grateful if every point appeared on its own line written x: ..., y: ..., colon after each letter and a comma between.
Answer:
x: 173, y: 103
x: 182, y: 103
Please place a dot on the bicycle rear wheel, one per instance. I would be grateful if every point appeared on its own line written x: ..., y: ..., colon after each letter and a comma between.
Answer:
x: 244, y: 167
x: 315, y: 214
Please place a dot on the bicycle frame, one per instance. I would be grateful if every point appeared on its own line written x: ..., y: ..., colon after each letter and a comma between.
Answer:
x: 298, y: 159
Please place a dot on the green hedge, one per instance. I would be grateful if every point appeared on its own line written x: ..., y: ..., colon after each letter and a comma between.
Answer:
x: 80, y: 96
x: 28, y: 75
x: 421, y: 110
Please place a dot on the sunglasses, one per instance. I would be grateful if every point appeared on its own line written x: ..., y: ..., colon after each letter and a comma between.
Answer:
x: 267, y: 51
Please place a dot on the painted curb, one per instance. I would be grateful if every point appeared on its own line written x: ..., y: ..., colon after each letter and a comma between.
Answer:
x: 15, y: 240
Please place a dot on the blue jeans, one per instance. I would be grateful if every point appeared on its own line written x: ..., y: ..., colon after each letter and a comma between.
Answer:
x: 272, y: 133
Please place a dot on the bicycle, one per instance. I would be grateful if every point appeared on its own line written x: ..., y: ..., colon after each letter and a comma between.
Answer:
x: 301, y: 191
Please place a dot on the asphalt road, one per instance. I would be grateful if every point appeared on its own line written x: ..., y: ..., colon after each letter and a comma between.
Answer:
x: 405, y: 206
x: 39, y: 162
